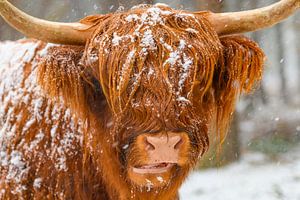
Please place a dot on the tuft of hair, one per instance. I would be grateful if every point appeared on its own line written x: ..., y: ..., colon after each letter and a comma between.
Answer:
x: 59, y: 74
x: 239, y: 70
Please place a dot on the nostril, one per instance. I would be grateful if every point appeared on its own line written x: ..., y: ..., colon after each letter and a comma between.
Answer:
x: 173, y: 142
x: 148, y: 145
x: 178, y: 144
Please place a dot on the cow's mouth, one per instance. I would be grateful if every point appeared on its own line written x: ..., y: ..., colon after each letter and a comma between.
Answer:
x: 153, y: 168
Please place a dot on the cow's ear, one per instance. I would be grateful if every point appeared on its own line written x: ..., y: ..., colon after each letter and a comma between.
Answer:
x: 239, y: 69
x: 61, y: 74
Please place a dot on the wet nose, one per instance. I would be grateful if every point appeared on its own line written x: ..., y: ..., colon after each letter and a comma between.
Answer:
x: 164, y: 147
x: 167, y: 142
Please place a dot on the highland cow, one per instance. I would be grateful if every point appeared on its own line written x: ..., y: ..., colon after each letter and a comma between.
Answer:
x: 128, y: 115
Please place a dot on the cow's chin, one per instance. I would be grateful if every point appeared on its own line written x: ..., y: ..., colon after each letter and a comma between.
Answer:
x: 152, y: 175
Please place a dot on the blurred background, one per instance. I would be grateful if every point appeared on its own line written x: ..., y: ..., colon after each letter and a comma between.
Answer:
x: 261, y: 157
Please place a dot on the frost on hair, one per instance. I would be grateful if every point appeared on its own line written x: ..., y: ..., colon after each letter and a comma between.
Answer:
x: 149, y: 66
x: 155, y: 52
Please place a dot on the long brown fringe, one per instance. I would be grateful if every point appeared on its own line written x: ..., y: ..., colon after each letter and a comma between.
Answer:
x: 239, y: 70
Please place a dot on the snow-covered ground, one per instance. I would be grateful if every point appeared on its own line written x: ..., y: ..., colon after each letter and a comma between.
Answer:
x: 252, y: 178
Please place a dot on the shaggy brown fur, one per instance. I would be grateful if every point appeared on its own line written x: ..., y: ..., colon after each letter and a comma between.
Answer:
x: 151, y: 69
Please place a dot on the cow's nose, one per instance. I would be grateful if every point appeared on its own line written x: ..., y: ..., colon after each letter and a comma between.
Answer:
x: 166, y: 147
x: 167, y: 142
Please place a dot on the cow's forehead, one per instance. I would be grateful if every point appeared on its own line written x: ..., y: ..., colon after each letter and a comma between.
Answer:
x: 156, y: 51
x: 150, y: 17
x: 147, y: 26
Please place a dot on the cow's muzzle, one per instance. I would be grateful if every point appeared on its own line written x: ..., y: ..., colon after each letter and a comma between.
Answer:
x: 160, y: 156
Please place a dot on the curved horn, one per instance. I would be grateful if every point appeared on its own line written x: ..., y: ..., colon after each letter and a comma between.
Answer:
x: 252, y: 20
x: 55, y: 32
